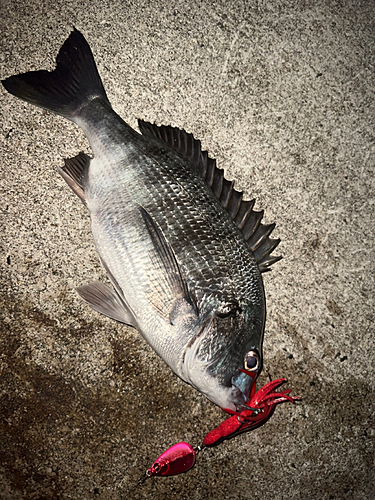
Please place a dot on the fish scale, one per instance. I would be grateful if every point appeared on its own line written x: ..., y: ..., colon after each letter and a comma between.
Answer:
x: 208, y: 239
x: 155, y: 184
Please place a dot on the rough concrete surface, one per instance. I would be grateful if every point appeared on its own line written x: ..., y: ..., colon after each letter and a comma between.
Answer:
x: 281, y: 93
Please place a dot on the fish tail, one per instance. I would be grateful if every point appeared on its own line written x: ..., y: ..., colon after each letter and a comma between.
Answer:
x: 69, y: 88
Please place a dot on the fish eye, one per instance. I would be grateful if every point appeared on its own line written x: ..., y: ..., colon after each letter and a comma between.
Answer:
x: 227, y: 310
x: 251, y: 361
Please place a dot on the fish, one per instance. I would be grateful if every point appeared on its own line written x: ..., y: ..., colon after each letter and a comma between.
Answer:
x: 183, y: 251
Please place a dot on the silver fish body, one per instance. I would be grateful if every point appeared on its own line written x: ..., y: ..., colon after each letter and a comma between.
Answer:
x: 170, y: 232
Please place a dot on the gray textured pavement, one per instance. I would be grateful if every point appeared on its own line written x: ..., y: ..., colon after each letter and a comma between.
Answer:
x: 281, y: 93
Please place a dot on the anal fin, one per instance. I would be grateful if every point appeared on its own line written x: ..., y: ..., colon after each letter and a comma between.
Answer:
x: 73, y: 173
x: 106, y: 301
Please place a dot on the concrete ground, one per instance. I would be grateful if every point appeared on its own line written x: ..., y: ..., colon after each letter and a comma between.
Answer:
x: 281, y: 93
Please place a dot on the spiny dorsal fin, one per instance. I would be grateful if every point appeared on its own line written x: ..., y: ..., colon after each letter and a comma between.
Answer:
x: 246, y: 219
x: 73, y: 173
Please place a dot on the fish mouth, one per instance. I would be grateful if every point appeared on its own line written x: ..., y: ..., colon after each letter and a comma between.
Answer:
x: 241, y: 389
x: 237, y: 399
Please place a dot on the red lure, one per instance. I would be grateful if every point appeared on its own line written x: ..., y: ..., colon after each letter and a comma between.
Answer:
x: 178, y: 458
x: 181, y: 456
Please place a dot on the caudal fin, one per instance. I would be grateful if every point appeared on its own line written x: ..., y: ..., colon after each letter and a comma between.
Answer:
x: 72, y: 85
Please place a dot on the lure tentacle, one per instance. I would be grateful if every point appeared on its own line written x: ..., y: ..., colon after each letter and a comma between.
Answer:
x: 263, y: 401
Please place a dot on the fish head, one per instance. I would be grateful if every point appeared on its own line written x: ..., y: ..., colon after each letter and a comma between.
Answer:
x: 224, y: 359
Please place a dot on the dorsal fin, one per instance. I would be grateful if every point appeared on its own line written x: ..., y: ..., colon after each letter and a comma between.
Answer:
x: 246, y: 219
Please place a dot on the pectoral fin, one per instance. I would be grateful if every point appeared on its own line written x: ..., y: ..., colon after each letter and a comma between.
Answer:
x: 106, y: 301
x: 169, y: 293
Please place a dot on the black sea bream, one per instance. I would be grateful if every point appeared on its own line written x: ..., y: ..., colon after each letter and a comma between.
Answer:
x: 182, y: 250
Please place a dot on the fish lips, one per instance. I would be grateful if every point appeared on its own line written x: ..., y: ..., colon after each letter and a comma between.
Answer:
x: 239, y: 386
x: 237, y: 400
x: 242, y: 385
